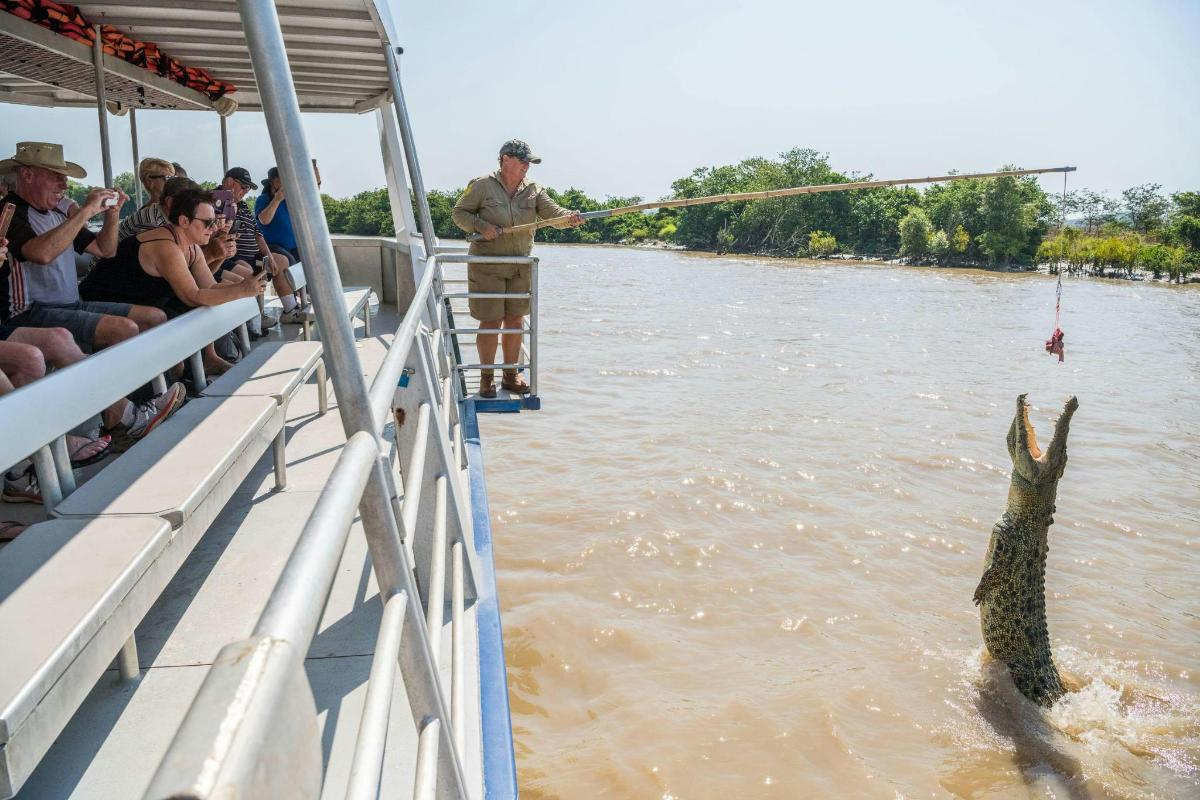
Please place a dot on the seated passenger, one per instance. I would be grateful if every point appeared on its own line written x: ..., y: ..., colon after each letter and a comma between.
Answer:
x: 166, y: 267
x: 39, y: 282
x: 153, y: 173
x: 154, y: 214
x: 251, y: 246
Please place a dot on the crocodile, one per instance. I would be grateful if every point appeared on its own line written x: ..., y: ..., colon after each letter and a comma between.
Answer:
x: 1012, y: 592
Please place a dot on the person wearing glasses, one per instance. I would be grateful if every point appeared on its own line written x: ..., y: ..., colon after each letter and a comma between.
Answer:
x: 39, y: 283
x: 166, y: 267
x: 503, y: 199
x: 153, y: 173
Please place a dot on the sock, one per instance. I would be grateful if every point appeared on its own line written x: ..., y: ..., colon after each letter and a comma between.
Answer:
x: 127, y: 415
x: 289, y: 302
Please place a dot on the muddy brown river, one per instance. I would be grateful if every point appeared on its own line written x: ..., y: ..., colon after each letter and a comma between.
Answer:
x: 736, y: 549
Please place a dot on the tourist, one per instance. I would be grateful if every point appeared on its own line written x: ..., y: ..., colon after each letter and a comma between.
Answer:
x: 503, y: 199
x: 153, y: 173
x: 274, y: 219
x: 40, y: 286
x: 251, y: 245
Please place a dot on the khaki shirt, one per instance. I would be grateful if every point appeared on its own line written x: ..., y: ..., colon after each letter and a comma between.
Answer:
x: 486, y: 201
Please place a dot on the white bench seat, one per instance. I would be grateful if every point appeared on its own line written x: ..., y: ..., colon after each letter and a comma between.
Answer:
x: 274, y: 369
x: 357, y: 300
x: 193, y: 461
x: 69, y: 601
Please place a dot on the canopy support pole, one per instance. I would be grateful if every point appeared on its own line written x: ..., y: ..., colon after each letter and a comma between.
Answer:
x: 137, y: 178
x: 224, y: 146
x: 101, y: 107
x: 391, y: 55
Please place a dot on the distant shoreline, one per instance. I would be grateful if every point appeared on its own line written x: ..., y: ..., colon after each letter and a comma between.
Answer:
x: 1139, y: 276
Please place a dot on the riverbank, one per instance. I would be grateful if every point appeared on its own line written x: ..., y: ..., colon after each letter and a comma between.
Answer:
x: 884, y: 261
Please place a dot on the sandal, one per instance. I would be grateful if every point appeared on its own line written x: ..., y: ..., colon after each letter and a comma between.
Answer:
x: 11, y: 529
x: 86, y: 451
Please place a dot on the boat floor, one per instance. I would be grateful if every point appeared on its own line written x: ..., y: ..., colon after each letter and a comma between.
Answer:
x: 116, y: 740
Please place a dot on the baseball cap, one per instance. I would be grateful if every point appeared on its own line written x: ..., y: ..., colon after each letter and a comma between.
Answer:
x: 242, y: 176
x: 519, y: 149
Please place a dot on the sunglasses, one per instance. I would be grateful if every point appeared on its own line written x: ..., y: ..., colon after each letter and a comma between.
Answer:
x: 157, y: 177
x: 209, y: 222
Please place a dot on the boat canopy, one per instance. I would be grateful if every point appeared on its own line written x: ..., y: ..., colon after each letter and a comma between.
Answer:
x: 335, y: 48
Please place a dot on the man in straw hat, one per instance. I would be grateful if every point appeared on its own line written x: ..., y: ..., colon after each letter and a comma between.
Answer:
x: 40, y: 284
x: 503, y: 199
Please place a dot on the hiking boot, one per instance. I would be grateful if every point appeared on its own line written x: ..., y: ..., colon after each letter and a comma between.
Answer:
x: 294, y: 317
x: 21, y: 486
x: 148, y: 416
x: 514, y: 383
x: 487, y: 385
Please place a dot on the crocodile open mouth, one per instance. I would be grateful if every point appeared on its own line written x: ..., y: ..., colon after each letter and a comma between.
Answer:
x: 1031, y: 434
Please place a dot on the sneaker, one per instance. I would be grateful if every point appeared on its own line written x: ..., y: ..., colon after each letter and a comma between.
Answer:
x: 294, y: 317
x: 21, y: 486
x: 269, y: 320
x: 148, y: 416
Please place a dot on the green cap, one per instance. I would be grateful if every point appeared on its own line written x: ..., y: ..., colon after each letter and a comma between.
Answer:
x: 519, y: 149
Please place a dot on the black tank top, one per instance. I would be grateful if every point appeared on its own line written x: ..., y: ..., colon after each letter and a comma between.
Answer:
x: 121, y: 279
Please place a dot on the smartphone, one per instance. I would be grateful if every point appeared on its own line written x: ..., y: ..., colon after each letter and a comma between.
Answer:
x: 109, y: 202
x: 225, y: 205
x: 235, y: 227
x: 6, y: 216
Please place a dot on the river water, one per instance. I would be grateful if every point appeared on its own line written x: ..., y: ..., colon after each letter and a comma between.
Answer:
x: 737, y: 547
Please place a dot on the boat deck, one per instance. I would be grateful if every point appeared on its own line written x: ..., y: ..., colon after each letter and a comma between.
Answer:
x: 116, y: 741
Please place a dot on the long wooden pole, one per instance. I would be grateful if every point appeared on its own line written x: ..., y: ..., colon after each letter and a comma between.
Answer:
x: 771, y: 193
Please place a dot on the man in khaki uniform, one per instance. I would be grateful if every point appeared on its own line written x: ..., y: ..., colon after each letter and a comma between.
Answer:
x: 503, y: 199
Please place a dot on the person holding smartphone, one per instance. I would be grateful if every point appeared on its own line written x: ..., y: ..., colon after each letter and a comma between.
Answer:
x: 39, y: 283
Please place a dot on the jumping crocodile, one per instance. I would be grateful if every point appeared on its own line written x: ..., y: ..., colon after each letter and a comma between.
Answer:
x: 1011, y: 594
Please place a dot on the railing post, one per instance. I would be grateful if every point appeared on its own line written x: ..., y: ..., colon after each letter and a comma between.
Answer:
x: 264, y: 39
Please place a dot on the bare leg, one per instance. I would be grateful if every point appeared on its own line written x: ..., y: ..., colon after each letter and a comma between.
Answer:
x: 147, y: 317
x: 113, y: 330
x: 22, y: 363
x: 512, y: 341
x: 486, y: 343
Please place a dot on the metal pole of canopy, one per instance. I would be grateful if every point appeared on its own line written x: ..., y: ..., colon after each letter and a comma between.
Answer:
x: 389, y: 558
x: 98, y: 61
x: 410, y: 148
x: 137, y: 179
x: 224, y: 147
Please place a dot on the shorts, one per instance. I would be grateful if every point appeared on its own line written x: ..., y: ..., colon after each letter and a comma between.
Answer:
x: 498, y: 279
x: 80, y: 318
x: 7, y: 331
x: 230, y: 263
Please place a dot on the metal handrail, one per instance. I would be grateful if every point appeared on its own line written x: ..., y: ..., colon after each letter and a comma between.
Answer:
x: 40, y: 412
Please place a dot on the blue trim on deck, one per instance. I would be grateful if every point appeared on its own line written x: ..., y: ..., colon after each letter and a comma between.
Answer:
x: 499, y: 757
x: 530, y: 402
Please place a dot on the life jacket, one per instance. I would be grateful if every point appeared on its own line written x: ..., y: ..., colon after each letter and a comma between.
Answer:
x: 68, y: 21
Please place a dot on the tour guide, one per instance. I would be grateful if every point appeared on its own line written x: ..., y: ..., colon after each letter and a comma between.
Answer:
x: 504, y: 199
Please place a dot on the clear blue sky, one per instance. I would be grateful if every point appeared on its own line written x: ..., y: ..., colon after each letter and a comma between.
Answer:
x: 623, y: 97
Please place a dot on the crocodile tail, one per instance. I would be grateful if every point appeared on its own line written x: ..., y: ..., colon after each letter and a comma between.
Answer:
x: 1040, y: 682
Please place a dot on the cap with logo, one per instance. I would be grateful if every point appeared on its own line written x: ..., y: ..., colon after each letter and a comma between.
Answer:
x: 242, y: 176
x: 519, y: 149
x: 45, y: 155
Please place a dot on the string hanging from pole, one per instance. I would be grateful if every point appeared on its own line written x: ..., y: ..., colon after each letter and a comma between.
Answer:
x: 1054, y: 344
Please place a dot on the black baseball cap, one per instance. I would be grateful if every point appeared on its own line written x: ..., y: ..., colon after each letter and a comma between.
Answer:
x: 242, y: 176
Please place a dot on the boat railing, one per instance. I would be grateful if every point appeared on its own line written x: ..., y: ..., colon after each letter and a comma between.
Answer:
x: 529, y: 351
x: 38, y: 416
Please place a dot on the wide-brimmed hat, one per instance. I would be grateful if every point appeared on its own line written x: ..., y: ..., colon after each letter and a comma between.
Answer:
x: 45, y: 155
x: 519, y: 149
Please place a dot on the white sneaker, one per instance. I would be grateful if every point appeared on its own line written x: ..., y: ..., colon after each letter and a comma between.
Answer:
x: 294, y: 317
x: 148, y: 416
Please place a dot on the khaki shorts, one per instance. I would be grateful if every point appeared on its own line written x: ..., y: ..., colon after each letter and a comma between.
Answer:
x: 498, y: 279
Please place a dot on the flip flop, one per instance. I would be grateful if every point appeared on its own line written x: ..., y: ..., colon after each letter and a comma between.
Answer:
x: 11, y: 529
x: 78, y: 459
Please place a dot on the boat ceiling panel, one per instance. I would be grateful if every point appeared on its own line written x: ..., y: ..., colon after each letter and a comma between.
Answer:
x: 334, y: 47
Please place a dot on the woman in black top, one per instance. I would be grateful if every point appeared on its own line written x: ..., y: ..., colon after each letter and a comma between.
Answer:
x: 165, y: 267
